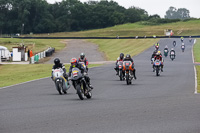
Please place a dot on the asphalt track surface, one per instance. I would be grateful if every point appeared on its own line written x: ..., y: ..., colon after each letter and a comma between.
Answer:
x: 164, y: 104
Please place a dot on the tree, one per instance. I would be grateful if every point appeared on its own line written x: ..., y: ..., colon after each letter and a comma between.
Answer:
x: 181, y: 13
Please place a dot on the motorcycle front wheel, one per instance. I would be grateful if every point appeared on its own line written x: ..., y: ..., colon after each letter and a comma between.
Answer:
x: 80, y: 92
x: 127, y: 79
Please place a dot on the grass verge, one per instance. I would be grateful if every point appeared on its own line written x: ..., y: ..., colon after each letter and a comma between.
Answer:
x: 197, y: 59
x: 15, y: 74
x: 113, y: 47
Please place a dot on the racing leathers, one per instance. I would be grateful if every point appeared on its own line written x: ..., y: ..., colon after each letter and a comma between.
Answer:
x: 60, y: 65
x: 85, y: 62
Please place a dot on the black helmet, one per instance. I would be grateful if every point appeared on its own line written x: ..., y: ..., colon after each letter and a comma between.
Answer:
x: 57, y: 61
x: 121, y: 56
x: 128, y: 56
x: 82, y: 56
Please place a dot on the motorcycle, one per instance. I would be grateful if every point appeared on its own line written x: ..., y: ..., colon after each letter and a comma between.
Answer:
x: 83, y: 64
x: 157, y: 67
x: 183, y: 47
x: 80, y: 84
x: 174, y: 43
x: 166, y: 52
x: 120, y: 67
x: 127, y: 67
x: 156, y: 47
x: 172, y: 55
x: 62, y: 85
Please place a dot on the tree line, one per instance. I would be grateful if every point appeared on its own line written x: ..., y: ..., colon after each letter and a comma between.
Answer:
x: 38, y: 16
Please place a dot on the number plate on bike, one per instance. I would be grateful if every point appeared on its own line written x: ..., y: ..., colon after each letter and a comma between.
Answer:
x: 75, y: 73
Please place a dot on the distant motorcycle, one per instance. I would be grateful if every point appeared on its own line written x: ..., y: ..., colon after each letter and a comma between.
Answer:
x: 174, y: 43
x: 172, y: 55
x: 156, y: 47
x: 182, y: 47
x: 84, y: 65
x: 120, y: 69
x: 157, y: 67
x: 127, y: 67
x: 62, y: 85
x: 166, y: 52
x: 80, y: 84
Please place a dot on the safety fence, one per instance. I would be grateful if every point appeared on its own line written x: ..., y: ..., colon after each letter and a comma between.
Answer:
x: 41, y: 55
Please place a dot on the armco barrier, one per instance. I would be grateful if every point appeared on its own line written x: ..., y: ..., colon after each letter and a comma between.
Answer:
x: 133, y: 37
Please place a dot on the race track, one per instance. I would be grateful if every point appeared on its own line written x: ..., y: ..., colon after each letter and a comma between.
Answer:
x: 163, y: 104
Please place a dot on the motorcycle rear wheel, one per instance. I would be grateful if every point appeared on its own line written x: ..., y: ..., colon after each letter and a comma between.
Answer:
x: 157, y: 71
x: 121, y: 76
x: 59, y: 88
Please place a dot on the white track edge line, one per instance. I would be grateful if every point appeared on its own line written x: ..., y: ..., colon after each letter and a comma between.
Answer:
x: 195, y: 71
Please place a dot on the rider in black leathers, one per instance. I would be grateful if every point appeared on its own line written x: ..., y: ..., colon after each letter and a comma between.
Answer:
x: 74, y: 63
x: 56, y: 65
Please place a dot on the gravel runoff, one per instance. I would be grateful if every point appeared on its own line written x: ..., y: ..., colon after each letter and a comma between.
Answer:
x: 74, y: 48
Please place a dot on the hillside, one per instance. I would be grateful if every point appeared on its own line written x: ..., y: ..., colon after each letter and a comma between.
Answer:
x: 191, y: 27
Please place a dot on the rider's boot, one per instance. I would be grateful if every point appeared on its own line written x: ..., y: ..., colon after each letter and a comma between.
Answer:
x: 117, y: 73
x: 153, y: 69
x: 90, y: 86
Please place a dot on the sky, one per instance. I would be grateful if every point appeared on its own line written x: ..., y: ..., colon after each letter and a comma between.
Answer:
x: 157, y: 6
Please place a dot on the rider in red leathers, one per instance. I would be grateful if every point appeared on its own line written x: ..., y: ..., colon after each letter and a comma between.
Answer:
x: 158, y: 57
x: 83, y: 59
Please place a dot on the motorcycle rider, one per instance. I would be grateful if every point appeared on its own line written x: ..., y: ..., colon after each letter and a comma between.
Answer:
x: 182, y: 39
x: 166, y: 48
x: 157, y: 46
x: 57, y: 65
x: 83, y: 59
x: 74, y: 63
x: 172, y: 50
x: 120, y: 58
x: 158, y: 57
x: 128, y: 58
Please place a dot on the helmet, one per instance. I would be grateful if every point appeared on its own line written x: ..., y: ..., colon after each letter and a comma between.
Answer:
x: 121, y: 56
x: 159, y: 52
x: 82, y: 56
x: 73, y: 61
x: 128, y: 56
x: 57, y: 61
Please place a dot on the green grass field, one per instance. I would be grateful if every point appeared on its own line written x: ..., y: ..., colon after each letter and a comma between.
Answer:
x: 113, y: 47
x: 191, y: 27
x: 14, y: 74
x: 197, y: 59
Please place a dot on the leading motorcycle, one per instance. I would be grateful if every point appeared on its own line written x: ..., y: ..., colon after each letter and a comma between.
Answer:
x: 80, y: 84
x: 62, y: 85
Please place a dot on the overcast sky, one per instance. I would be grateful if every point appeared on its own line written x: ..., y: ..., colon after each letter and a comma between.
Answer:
x: 157, y: 6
